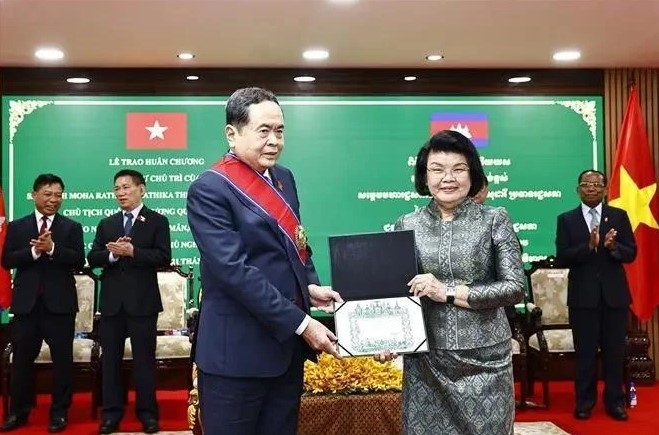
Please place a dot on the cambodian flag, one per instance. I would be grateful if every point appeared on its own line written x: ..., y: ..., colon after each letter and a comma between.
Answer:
x: 471, y: 124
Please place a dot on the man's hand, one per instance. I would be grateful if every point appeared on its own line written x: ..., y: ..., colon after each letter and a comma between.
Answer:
x: 44, y: 243
x: 320, y: 338
x: 594, y: 238
x: 322, y: 297
x: 121, y: 248
x: 610, y: 240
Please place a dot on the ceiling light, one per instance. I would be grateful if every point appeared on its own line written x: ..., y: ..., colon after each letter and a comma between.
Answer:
x: 567, y: 55
x: 78, y: 80
x: 192, y: 78
x: 434, y: 57
x: 185, y: 56
x: 520, y: 79
x: 315, y: 54
x: 409, y: 78
x: 49, y: 53
x: 304, y: 79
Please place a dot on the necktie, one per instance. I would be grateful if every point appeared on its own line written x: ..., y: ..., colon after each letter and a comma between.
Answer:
x: 44, y: 225
x: 129, y: 223
x: 594, y: 218
x: 42, y: 229
x: 267, y: 177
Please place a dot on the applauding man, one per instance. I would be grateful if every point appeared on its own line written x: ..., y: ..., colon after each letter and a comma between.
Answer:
x: 593, y: 241
x: 130, y: 246
x: 45, y: 248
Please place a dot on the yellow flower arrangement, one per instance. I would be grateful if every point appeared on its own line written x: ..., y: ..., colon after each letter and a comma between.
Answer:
x: 360, y: 375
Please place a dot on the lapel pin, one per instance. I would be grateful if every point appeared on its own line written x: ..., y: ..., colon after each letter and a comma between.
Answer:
x: 606, y: 218
x: 279, y: 185
x: 141, y: 218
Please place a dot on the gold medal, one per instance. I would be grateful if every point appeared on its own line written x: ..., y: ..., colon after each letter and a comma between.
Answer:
x: 300, y: 238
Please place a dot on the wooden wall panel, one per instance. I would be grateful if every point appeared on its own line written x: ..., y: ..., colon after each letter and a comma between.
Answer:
x: 616, y: 92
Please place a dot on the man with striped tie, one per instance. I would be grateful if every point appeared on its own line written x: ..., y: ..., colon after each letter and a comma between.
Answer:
x: 130, y: 246
x: 593, y: 241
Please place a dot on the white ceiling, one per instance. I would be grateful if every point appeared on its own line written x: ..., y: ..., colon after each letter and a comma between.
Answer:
x: 365, y: 33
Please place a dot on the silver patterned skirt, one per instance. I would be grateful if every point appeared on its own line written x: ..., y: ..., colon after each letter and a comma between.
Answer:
x: 459, y: 392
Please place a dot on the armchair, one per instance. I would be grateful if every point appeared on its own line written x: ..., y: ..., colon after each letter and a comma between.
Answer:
x: 550, y: 344
x: 86, y: 347
x: 172, y: 343
x: 520, y: 355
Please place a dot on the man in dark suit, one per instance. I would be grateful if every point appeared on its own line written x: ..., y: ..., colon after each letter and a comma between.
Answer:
x: 257, y: 277
x: 593, y: 241
x: 45, y: 248
x: 130, y: 246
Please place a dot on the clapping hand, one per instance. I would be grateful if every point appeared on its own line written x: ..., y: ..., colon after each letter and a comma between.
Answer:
x: 610, y: 240
x: 121, y: 248
x: 594, y: 238
x: 43, y: 243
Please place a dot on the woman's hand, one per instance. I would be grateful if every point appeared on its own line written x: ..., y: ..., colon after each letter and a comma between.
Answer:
x: 385, y: 355
x: 427, y: 285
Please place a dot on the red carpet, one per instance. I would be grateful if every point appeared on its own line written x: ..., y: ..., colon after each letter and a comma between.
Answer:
x: 643, y: 419
x: 173, y: 415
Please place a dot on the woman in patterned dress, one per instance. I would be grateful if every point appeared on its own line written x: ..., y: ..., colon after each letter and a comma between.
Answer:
x: 471, y: 268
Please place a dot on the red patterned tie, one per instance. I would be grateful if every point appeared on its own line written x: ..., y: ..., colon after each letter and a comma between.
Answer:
x: 44, y: 225
x: 42, y: 229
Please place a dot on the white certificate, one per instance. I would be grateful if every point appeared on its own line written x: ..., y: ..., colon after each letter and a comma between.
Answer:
x: 367, y: 327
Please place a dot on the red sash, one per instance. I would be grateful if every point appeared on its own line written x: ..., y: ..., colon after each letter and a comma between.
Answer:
x: 259, y: 191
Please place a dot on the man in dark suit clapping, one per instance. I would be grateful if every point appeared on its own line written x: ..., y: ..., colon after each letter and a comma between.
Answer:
x: 130, y: 246
x: 593, y: 241
x: 45, y: 248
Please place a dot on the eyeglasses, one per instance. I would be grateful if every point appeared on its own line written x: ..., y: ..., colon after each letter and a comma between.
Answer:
x: 457, y: 172
x: 587, y: 184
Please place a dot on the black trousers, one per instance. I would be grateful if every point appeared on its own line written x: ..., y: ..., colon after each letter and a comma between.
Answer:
x: 602, y: 328
x: 28, y: 331
x: 142, y: 333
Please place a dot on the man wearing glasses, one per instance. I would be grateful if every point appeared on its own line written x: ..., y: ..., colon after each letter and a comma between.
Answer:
x: 593, y: 241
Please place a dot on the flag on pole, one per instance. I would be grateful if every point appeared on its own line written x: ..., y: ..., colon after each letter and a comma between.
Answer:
x: 5, y: 275
x: 633, y: 188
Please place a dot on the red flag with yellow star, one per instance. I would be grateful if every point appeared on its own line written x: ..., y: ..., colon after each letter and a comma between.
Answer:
x: 633, y: 187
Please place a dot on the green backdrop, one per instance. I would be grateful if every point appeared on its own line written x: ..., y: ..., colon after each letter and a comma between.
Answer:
x: 352, y: 157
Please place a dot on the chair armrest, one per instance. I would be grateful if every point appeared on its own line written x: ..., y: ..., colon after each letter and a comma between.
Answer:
x: 192, y: 319
x: 534, y: 317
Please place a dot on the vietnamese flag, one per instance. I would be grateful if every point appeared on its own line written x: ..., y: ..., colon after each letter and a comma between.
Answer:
x: 633, y: 187
x: 5, y: 275
x: 151, y: 131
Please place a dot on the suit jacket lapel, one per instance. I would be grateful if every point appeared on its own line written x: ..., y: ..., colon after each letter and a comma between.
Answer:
x: 140, y: 220
x: 580, y: 222
x: 272, y: 223
x: 118, y: 224
x: 287, y: 194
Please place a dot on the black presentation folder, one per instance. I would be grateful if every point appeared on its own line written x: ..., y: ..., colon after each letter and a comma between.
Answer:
x: 373, y: 265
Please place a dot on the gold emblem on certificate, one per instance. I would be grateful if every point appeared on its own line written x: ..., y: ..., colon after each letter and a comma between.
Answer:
x: 300, y: 237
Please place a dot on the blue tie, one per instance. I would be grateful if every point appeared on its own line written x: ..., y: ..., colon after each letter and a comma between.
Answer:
x: 129, y: 223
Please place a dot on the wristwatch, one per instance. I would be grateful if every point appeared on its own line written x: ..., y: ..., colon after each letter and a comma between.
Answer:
x: 450, y: 294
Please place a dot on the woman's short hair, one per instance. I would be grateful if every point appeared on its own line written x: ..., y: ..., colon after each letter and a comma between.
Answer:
x: 448, y: 141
